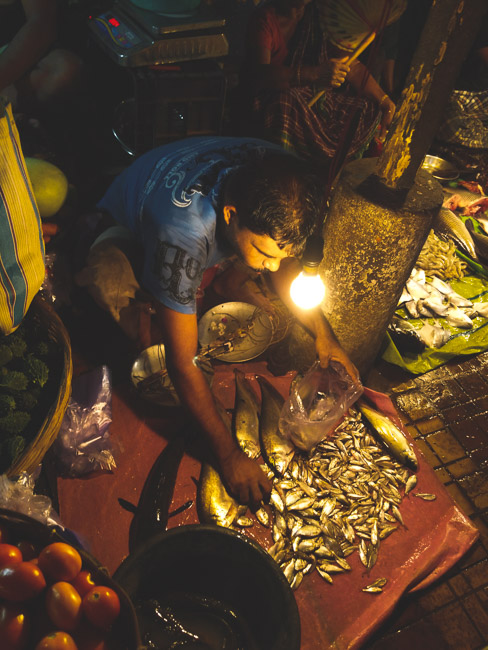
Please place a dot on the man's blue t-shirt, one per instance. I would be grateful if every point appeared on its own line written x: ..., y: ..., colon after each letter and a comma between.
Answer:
x: 168, y: 198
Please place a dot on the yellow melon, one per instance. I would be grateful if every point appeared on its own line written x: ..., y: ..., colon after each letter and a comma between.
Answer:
x: 49, y: 184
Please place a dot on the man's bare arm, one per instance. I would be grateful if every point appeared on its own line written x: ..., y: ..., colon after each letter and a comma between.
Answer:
x: 31, y: 42
x: 327, y: 346
x: 243, y: 476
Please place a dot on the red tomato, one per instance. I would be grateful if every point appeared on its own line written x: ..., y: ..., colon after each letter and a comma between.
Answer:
x: 83, y: 582
x: 28, y: 549
x: 60, y: 561
x: 9, y: 554
x: 21, y: 581
x: 63, y: 605
x: 101, y: 606
x: 14, y: 627
x: 57, y: 641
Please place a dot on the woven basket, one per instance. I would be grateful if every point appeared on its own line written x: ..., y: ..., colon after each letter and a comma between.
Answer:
x: 33, y: 454
x: 125, y: 633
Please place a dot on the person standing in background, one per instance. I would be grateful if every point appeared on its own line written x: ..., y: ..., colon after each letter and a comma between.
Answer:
x: 34, y: 73
x: 288, y: 61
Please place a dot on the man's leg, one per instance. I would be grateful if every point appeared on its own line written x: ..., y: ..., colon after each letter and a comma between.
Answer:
x: 109, y: 278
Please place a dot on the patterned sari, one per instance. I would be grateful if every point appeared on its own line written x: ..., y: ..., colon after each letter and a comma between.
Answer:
x: 340, y: 123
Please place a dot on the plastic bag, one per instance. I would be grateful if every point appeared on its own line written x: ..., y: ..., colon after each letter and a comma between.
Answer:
x: 83, y: 444
x: 18, y: 495
x: 316, y: 404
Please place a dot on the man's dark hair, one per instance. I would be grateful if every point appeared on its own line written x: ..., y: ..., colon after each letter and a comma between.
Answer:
x: 278, y: 196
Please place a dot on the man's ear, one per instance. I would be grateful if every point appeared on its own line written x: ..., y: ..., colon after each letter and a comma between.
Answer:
x: 230, y: 213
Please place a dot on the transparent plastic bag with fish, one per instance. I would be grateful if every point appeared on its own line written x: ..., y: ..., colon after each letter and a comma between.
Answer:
x: 316, y: 404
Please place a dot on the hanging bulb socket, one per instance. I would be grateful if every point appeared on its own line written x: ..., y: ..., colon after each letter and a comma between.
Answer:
x: 313, y: 254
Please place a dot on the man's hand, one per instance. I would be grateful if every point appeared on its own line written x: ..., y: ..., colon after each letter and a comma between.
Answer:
x: 245, y: 480
x: 327, y: 346
x: 328, y: 351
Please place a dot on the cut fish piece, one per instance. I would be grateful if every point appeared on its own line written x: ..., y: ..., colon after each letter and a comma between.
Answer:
x: 436, y: 305
x: 441, y: 286
x: 481, y: 308
x: 434, y: 336
x: 457, y: 318
x: 418, y: 275
x: 459, y: 301
x: 412, y: 308
x: 416, y: 290
x: 405, y: 297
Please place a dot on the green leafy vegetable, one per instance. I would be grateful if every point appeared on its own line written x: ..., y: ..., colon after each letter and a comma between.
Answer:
x: 17, y: 344
x: 13, y: 379
x: 37, y: 370
x: 14, y: 423
x: 14, y: 446
x: 5, y: 354
x: 7, y: 404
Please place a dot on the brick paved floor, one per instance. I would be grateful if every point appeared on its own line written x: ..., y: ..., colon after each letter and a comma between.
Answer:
x: 446, y: 411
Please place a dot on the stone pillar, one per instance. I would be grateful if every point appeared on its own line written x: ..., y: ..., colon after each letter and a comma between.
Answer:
x: 369, y: 252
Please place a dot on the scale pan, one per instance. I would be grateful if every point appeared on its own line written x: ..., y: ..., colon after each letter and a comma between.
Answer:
x: 224, y: 322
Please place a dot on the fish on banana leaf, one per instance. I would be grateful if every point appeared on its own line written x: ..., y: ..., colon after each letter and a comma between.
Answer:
x: 448, y: 224
x: 215, y: 505
x: 276, y: 448
x: 245, y: 419
x: 480, y: 240
x: 434, y: 336
x: 390, y: 434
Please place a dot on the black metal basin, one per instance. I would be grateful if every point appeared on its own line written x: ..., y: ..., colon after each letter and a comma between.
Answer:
x: 209, y: 587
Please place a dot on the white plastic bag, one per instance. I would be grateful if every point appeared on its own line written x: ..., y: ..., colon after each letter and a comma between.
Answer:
x: 316, y: 404
x: 18, y: 495
x: 84, y: 443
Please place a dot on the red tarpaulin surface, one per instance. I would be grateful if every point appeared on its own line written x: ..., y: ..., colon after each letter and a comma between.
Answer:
x: 339, y: 615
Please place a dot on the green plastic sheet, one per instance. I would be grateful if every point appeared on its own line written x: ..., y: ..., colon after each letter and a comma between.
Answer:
x: 463, y: 342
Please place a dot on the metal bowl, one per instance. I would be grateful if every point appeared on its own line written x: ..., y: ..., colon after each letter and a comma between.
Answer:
x: 150, y: 376
x: 441, y: 169
x: 151, y: 379
x: 235, y: 332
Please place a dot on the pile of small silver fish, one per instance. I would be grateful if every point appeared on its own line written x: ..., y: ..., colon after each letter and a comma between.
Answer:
x: 342, y: 497
x: 431, y: 297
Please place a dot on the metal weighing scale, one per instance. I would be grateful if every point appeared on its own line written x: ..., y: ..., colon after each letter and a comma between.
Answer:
x: 135, y: 37
x: 179, y: 84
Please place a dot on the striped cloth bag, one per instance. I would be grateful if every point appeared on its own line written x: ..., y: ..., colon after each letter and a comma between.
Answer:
x: 22, y: 267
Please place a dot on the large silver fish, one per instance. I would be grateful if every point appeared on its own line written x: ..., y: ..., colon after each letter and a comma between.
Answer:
x: 245, y: 419
x: 390, y: 435
x: 277, y: 450
x: 448, y: 224
x: 215, y: 505
x: 480, y: 240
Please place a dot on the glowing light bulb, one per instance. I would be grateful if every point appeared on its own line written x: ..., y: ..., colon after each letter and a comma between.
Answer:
x: 307, y: 290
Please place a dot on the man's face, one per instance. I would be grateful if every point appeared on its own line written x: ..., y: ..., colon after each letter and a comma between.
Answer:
x: 260, y: 252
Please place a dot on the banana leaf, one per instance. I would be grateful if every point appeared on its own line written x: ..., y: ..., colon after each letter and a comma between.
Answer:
x: 463, y: 342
